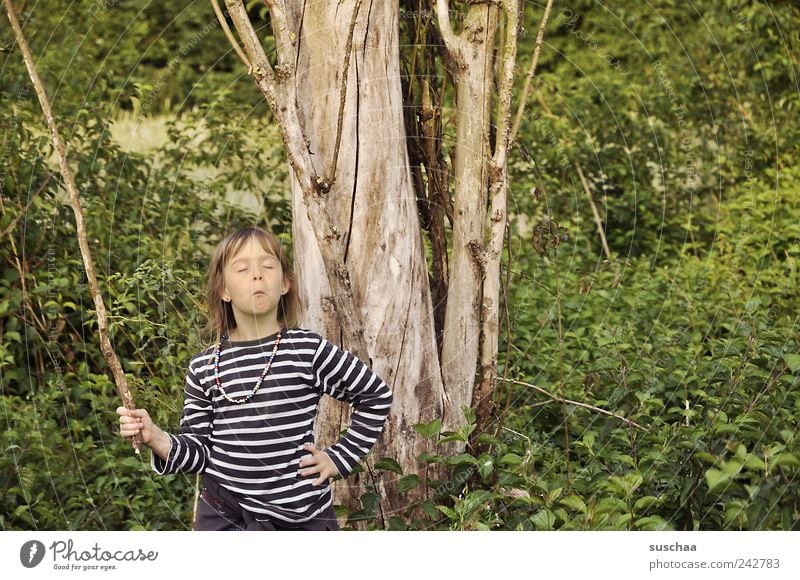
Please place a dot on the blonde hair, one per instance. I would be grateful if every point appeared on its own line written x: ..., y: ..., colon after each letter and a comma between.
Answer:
x: 220, y: 313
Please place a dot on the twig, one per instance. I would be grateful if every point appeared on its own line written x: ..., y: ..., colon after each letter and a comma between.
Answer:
x: 531, y: 72
x: 69, y: 182
x: 596, y: 214
x: 14, y: 221
x: 557, y: 399
x: 452, y: 43
x: 227, y: 30
x: 343, y: 93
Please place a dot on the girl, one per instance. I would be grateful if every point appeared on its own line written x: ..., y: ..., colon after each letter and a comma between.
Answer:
x: 251, y: 401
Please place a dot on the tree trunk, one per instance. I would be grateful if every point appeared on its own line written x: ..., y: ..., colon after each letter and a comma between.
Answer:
x: 472, y: 51
x: 374, y: 209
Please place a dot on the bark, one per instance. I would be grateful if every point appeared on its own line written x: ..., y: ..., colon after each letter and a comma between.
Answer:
x: 110, y: 356
x: 472, y: 51
x: 498, y: 191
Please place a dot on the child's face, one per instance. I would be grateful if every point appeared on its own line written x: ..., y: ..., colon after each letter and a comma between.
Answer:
x: 254, y: 282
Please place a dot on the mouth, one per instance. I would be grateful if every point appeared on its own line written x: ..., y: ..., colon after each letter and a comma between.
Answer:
x: 259, y: 293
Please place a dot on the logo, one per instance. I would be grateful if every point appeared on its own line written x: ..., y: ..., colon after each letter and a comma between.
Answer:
x: 31, y: 553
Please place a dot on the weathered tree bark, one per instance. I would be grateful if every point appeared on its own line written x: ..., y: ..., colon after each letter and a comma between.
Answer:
x: 375, y: 210
x: 69, y: 182
x: 473, y: 53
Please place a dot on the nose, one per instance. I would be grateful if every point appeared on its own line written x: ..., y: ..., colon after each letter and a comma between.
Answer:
x: 257, y: 274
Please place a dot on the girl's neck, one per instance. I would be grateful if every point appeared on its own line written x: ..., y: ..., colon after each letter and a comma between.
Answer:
x: 253, y: 330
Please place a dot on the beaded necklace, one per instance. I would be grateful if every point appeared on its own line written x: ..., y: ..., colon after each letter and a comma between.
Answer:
x: 217, y: 352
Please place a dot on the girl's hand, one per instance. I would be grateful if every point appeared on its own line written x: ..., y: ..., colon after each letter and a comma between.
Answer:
x: 320, y: 463
x: 135, y: 421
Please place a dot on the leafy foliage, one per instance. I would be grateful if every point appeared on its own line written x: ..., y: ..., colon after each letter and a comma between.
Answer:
x: 684, y: 126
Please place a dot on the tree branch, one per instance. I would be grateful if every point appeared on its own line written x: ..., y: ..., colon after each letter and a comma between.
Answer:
x: 13, y: 223
x: 557, y: 399
x: 598, y: 222
x: 259, y: 63
x: 227, y: 30
x: 284, y: 38
x: 343, y: 94
x: 531, y: 72
x: 69, y: 182
x: 452, y: 43
x: 507, y: 84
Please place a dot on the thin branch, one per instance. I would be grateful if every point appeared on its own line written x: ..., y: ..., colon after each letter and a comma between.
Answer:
x: 227, y: 30
x: 507, y: 83
x: 452, y: 42
x: 531, y: 72
x: 596, y: 214
x: 69, y: 182
x: 557, y: 399
x: 259, y: 63
x: 284, y: 39
x: 24, y: 212
x: 343, y: 93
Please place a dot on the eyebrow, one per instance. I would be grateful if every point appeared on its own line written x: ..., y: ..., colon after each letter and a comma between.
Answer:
x: 246, y: 260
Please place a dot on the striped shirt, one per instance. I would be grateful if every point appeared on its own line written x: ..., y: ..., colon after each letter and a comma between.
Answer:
x: 253, y: 449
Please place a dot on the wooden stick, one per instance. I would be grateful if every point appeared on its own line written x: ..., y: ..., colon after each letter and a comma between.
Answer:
x: 343, y: 93
x: 227, y: 30
x: 598, y: 222
x: 555, y: 399
x: 531, y: 72
x: 75, y: 200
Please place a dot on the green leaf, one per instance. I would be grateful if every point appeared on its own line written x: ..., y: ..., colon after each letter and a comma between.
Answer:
x: 389, y: 464
x: 511, y: 459
x: 653, y: 523
x: 429, y: 430
x: 430, y: 458
x: 408, y: 482
x: 645, y: 502
x: 462, y: 458
x: 449, y: 512
x: 429, y: 508
x: 485, y: 465
x: 397, y: 524
x: 574, y: 502
x: 452, y: 436
x: 369, y: 501
x: 786, y: 460
x: 793, y: 362
x: 486, y: 439
x: 544, y: 520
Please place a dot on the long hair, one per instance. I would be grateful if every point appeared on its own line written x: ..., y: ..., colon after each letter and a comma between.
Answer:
x: 220, y: 313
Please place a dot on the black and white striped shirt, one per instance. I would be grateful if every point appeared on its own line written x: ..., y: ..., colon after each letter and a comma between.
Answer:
x: 253, y: 449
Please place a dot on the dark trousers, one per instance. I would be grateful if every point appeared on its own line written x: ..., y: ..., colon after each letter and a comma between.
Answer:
x: 219, y: 511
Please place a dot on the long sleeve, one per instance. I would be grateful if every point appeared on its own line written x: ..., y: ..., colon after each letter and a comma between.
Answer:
x: 340, y: 374
x: 189, y: 451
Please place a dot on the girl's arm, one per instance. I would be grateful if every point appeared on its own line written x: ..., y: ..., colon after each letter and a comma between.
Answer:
x: 187, y: 452
x: 340, y: 374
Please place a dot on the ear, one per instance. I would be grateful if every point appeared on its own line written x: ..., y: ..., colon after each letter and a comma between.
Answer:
x: 285, y: 286
x: 224, y: 295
